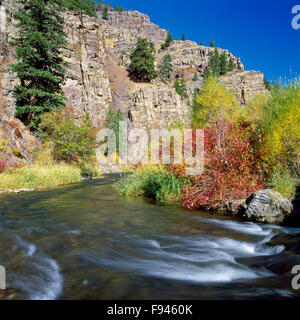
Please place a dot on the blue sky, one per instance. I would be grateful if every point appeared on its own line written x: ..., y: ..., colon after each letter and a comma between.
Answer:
x: 258, y: 31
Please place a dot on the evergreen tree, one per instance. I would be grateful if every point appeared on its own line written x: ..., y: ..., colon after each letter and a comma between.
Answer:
x: 231, y: 66
x: 168, y: 41
x: 86, y: 6
x: 142, y: 67
x: 89, y: 7
x: 105, y: 13
x: 202, y: 43
x: 223, y: 63
x: 165, y: 68
x: 195, y: 104
x: 215, y: 62
x: 207, y: 73
x: 212, y: 43
x: 119, y: 9
x: 180, y: 88
x: 39, y: 65
x: 183, y: 37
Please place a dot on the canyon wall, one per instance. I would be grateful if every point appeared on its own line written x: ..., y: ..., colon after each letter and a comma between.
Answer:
x: 98, y: 55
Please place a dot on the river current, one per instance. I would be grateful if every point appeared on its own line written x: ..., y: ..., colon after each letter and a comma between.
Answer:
x: 85, y: 241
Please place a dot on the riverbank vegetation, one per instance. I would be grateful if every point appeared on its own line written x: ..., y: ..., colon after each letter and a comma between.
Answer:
x: 66, y: 154
x: 247, y: 148
x: 39, y: 177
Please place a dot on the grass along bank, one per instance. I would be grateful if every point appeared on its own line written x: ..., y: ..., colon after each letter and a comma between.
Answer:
x: 39, y: 177
x: 156, y: 182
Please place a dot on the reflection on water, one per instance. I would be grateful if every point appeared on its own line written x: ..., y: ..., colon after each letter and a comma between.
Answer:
x: 86, y: 242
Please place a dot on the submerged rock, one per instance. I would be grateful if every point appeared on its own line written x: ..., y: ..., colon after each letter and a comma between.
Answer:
x: 267, y: 206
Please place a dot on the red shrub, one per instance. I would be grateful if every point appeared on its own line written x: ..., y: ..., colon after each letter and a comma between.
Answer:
x: 231, y: 167
x: 4, y: 163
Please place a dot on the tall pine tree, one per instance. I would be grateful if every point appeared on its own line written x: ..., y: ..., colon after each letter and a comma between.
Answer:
x: 142, y: 67
x: 39, y: 65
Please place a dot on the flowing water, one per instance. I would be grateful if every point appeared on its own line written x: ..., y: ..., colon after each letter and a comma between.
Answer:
x: 84, y: 241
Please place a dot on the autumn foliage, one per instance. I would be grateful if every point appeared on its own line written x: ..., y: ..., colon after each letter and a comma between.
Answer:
x: 7, y: 164
x: 4, y: 163
x: 246, y: 148
x: 232, y: 169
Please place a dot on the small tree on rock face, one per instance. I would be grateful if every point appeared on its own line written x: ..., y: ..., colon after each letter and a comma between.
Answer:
x: 165, y: 68
x: 212, y: 43
x: 223, y: 63
x: 142, y: 67
x: 218, y: 64
x: 89, y: 7
x: 195, y: 78
x: 105, y: 13
x: 183, y: 37
x: 231, y: 66
x: 180, y: 88
x: 168, y: 41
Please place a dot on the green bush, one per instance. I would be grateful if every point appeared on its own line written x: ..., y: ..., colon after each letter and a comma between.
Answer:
x: 152, y: 182
x: 180, y: 88
x: 70, y: 142
x: 89, y: 172
x: 168, y: 41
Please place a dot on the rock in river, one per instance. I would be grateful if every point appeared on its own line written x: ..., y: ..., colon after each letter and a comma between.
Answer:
x: 268, y: 206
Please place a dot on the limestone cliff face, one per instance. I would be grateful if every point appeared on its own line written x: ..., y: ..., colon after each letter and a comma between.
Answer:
x: 98, y: 54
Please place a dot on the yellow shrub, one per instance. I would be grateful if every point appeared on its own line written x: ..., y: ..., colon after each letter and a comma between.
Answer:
x: 281, y: 124
x: 255, y: 108
x: 214, y: 101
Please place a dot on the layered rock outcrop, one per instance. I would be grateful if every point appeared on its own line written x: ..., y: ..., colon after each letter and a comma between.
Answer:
x: 268, y: 206
x: 246, y: 85
x: 154, y: 107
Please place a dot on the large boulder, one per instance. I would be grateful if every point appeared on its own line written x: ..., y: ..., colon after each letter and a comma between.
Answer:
x: 268, y: 206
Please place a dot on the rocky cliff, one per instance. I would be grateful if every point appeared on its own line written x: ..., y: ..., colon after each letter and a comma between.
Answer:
x: 98, y: 54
